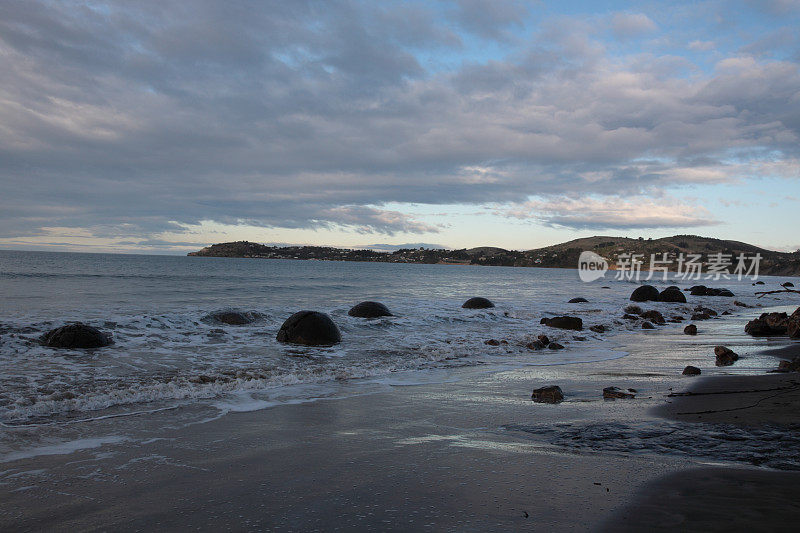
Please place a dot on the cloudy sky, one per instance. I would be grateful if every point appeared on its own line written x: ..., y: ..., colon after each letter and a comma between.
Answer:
x: 161, y: 126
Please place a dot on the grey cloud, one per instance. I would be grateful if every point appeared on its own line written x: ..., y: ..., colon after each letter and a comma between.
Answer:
x: 628, y: 25
x: 299, y: 114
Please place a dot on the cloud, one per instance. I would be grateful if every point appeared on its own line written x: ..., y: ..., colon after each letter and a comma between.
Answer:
x: 613, y: 213
x: 631, y: 25
x: 132, y: 118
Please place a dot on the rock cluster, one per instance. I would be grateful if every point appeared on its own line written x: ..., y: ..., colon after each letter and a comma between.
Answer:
x: 773, y: 324
x: 702, y: 290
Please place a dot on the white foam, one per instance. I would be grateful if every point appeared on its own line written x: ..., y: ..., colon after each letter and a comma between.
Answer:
x: 63, y: 448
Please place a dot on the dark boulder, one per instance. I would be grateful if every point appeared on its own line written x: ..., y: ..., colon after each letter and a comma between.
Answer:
x: 789, y: 366
x: 726, y: 293
x: 691, y: 371
x: 76, y: 336
x: 645, y: 293
x: 654, y: 316
x: 369, y: 310
x: 555, y: 346
x: 737, y: 303
x: 672, y: 296
x: 725, y: 356
x: 549, y: 394
x: 691, y: 329
x: 565, y: 322
x: 758, y: 283
x: 701, y: 316
x: 788, y: 284
x: 647, y: 325
x: 793, y: 324
x: 477, y: 303
x: 706, y: 310
x: 578, y: 301
x: 698, y: 290
x: 615, y: 393
x: 536, y: 345
x: 232, y: 317
x: 768, y: 324
x: 311, y: 328
x: 492, y: 342
x: 599, y: 328
x: 543, y: 339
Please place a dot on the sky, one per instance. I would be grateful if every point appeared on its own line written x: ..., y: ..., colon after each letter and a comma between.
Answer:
x: 164, y: 126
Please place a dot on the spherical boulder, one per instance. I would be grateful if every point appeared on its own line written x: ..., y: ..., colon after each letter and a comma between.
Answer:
x: 310, y: 328
x: 645, y: 293
x: 564, y: 322
x: 691, y: 329
x: 672, y: 295
x: 232, y: 317
x: 76, y: 336
x: 477, y: 303
x: 578, y: 300
x: 369, y: 310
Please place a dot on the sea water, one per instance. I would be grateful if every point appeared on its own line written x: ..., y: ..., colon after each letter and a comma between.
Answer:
x: 166, y: 350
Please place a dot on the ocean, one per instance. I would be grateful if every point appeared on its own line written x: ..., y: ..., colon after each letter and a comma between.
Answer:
x: 167, y: 352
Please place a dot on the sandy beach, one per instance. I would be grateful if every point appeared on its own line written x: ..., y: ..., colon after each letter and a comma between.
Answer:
x: 468, y: 454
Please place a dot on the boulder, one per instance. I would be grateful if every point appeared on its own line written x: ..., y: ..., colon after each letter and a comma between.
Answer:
x: 758, y: 283
x: 543, y: 339
x: 793, y: 324
x: 599, y: 328
x: 477, y: 303
x: 725, y: 356
x: 578, y: 301
x: 672, y: 295
x: 691, y: 371
x: 310, y: 328
x: 232, y: 317
x: 626, y: 316
x: 549, y: 394
x: 647, y: 325
x: 706, y: 310
x: 691, y: 329
x: 789, y: 366
x: 737, y: 303
x: 76, y: 335
x: 555, y: 346
x: 678, y: 318
x: 565, y: 322
x: 536, y: 345
x: 614, y: 393
x: 633, y: 310
x: 369, y: 310
x: 788, y: 284
x: 492, y: 342
x: 645, y: 293
x: 654, y: 316
x: 698, y: 290
x: 769, y: 324
x: 726, y: 293
x: 701, y: 316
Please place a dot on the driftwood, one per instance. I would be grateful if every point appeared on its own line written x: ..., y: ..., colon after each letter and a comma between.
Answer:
x: 779, y: 291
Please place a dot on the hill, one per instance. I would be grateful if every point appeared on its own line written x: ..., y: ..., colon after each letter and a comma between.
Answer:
x: 564, y: 255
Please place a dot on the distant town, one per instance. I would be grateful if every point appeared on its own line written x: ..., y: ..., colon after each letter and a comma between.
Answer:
x: 565, y: 255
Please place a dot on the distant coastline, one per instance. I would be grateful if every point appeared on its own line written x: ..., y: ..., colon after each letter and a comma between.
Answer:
x: 564, y: 255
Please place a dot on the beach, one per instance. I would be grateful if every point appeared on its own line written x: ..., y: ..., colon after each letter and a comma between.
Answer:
x: 419, y: 421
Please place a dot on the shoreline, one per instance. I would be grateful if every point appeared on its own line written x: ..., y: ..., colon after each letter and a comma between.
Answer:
x: 475, y: 453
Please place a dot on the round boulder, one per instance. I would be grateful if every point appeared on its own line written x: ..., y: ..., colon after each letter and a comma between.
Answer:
x: 76, y: 336
x: 369, y: 310
x: 673, y: 295
x: 691, y: 371
x: 578, y: 300
x: 691, y: 329
x: 565, y: 322
x: 645, y: 293
x: 232, y: 317
x: 311, y: 328
x: 477, y: 303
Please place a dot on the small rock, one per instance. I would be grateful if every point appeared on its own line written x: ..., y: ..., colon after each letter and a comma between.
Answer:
x: 565, y: 322
x: 740, y: 304
x: 789, y: 366
x: 549, y: 394
x: 725, y: 356
x: 599, y: 328
x: 555, y: 346
x: 654, y: 316
x: 627, y: 316
x: 492, y: 342
x: 536, y: 345
x: 701, y: 316
x: 544, y: 339
x: 647, y: 325
x: 691, y: 329
x: 787, y: 284
x: 614, y: 393
x: 578, y: 301
x: 758, y: 283
x: 633, y: 310
x: 691, y: 371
